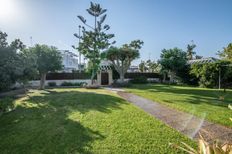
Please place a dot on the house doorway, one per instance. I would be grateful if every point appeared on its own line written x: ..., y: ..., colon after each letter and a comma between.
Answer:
x: 104, y: 78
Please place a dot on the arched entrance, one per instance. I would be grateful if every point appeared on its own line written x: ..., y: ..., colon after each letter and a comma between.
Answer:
x: 104, y: 75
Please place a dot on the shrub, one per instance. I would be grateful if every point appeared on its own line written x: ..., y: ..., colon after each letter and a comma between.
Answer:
x: 139, y: 80
x: 206, y: 148
x: 79, y: 84
x: 207, y: 74
x: 67, y: 76
x: 66, y: 84
x: 51, y: 84
x: 117, y: 84
x: 92, y: 87
x: 6, y: 105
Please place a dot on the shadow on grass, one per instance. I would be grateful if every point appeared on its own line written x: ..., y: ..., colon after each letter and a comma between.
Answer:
x: 41, y: 124
x: 81, y: 101
x: 195, y: 95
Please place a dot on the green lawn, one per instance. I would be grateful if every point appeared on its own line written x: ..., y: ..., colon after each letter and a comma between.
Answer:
x: 198, y: 101
x: 82, y: 121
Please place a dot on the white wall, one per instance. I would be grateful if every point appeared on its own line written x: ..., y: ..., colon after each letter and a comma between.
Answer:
x: 36, y: 83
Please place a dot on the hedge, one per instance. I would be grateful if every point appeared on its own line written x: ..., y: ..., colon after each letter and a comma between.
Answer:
x: 132, y: 75
x: 83, y: 76
x: 137, y: 74
x: 67, y: 76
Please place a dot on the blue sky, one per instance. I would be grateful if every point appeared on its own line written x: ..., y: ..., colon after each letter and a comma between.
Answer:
x: 159, y: 23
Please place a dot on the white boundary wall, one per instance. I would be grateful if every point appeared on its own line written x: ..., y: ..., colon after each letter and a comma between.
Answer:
x: 58, y: 82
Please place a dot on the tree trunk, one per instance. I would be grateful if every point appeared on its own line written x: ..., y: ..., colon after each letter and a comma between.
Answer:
x: 121, y: 77
x: 171, y: 75
x: 164, y: 77
x: 122, y: 73
x: 92, y: 77
x: 42, y: 80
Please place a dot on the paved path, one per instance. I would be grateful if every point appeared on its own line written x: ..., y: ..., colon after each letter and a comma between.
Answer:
x: 183, y: 122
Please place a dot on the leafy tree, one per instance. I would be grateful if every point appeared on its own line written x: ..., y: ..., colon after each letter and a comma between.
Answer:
x: 28, y: 62
x: 227, y: 53
x: 121, y: 58
x: 95, y: 39
x: 3, y: 40
x: 190, y: 52
x: 48, y: 59
x: 9, y: 67
x: 143, y: 66
x: 11, y: 64
x: 172, y: 61
x: 208, y: 73
x: 152, y: 66
x: 184, y: 76
x: 17, y: 44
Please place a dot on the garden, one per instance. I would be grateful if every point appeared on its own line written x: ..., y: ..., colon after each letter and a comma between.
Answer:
x: 85, y: 117
x: 82, y: 121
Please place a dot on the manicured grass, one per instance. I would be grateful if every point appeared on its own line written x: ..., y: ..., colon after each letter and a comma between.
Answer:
x: 198, y: 101
x: 82, y: 121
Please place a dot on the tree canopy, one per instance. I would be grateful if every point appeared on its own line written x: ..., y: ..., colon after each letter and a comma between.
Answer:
x: 173, y: 60
x: 121, y: 58
x: 208, y: 73
x: 12, y: 66
x: 48, y: 59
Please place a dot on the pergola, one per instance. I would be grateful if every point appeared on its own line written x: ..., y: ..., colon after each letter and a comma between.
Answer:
x: 202, y: 60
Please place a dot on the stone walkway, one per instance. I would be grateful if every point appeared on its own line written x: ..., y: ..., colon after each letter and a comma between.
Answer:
x: 183, y: 122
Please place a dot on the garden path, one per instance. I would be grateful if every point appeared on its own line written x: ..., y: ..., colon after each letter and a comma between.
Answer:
x: 185, y: 123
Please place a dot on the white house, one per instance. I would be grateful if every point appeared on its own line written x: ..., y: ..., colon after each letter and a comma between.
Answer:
x: 70, y: 61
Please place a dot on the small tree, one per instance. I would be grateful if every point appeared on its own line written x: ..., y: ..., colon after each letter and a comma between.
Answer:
x: 48, y: 59
x: 95, y: 39
x: 173, y: 60
x: 121, y: 58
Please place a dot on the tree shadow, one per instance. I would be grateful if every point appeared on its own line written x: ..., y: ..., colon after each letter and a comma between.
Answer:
x: 81, y: 101
x: 41, y: 124
x: 196, y: 95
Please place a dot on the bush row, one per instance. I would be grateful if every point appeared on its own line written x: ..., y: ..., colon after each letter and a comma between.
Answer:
x: 77, y: 75
x: 78, y: 84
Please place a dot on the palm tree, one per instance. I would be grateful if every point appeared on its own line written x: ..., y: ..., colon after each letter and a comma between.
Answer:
x: 190, y: 51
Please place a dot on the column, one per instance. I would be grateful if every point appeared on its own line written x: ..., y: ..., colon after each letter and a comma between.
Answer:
x: 110, y: 76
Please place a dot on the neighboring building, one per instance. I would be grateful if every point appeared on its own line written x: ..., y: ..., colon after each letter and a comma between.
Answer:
x: 133, y: 69
x: 202, y: 60
x: 70, y: 61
